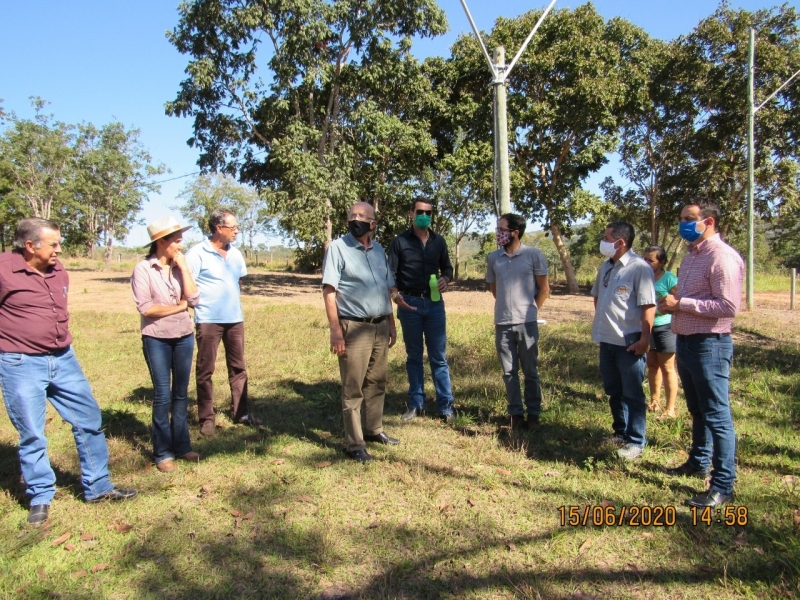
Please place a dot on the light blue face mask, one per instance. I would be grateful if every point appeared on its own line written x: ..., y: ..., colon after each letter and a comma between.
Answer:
x: 688, y: 230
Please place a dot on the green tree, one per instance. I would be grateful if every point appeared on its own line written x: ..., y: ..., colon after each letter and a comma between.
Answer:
x: 566, y: 97
x: 36, y: 161
x: 716, y: 75
x: 334, y: 122
x: 205, y: 193
x: 113, y: 176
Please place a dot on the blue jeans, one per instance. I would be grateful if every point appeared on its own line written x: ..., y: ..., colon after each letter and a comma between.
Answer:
x: 704, y: 368
x: 169, y: 358
x: 518, y: 345
x: 623, y: 374
x: 428, y: 321
x: 27, y: 381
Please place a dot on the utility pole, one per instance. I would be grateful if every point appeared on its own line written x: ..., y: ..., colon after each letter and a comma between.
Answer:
x: 751, y: 186
x: 752, y: 109
x: 503, y: 182
x: 500, y: 73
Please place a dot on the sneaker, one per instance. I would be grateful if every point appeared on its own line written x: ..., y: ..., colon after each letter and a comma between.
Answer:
x: 688, y: 470
x: 449, y: 418
x: 411, y: 414
x: 630, y: 451
x: 617, y: 440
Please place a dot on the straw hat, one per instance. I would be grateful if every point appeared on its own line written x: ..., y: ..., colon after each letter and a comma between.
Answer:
x: 163, y: 227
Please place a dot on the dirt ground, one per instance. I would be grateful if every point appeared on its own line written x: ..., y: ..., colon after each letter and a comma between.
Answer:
x: 110, y: 292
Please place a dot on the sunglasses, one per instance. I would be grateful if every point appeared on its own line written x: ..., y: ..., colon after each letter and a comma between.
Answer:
x: 419, y: 211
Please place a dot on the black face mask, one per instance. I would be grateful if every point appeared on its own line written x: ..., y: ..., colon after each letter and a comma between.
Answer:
x: 358, y: 228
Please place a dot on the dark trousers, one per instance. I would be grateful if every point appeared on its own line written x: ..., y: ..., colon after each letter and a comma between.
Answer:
x: 209, y: 336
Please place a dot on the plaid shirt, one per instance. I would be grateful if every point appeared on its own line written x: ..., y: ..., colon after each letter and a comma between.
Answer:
x: 709, y: 288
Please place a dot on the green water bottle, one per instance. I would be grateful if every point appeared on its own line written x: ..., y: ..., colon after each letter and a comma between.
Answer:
x: 434, y: 283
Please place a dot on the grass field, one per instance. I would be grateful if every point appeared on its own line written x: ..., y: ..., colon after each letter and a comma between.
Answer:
x: 469, y: 511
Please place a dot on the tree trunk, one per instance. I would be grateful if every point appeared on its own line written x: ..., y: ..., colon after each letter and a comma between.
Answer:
x: 458, y: 255
x: 566, y: 260
x: 109, y: 252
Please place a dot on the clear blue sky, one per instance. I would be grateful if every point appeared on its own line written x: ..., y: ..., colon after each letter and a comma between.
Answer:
x: 104, y: 60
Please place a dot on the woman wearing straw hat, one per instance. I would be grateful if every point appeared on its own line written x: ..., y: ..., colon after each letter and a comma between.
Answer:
x: 163, y: 289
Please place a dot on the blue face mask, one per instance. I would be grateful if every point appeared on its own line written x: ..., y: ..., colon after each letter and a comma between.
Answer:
x: 688, y: 230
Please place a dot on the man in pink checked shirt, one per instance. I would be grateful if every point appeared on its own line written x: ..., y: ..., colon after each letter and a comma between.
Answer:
x: 703, y: 307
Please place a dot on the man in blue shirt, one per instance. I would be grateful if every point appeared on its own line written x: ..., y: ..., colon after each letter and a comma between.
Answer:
x: 217, y: 266
x: 355, y: 285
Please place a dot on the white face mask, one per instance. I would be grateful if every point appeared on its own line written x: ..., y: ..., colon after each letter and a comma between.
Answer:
x: 607, y: 249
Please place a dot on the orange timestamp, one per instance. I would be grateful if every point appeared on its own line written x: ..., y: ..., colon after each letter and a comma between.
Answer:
x: 724, y: 515
x: 613, y: 516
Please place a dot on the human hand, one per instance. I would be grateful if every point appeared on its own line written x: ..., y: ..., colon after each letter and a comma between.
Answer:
x: 392, y: 334
x: 443, y: 281
x: 337, y: 343
x: 668, y: 304
x: 180, y: 260
x: 640, y: 347
x: 400, y: 301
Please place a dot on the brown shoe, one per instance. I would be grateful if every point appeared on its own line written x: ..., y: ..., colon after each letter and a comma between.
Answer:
x: 517, y: 422
x: 208, y: 428
x: 191, y: 457
x: 166, y: 466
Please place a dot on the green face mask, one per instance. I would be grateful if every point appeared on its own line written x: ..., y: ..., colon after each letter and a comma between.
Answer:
x: 422, y: 221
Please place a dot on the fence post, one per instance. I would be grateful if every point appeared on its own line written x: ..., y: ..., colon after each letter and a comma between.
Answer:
x: 256, y: 257
x: 794, y: 282
x: 119, y: 258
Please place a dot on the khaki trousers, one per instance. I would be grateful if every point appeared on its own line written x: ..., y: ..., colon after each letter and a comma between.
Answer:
x: 363, y: 373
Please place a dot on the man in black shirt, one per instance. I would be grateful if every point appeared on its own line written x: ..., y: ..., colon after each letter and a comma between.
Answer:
x: 414, y: 256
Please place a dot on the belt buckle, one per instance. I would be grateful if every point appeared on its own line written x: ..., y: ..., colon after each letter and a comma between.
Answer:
x: 370, y: 320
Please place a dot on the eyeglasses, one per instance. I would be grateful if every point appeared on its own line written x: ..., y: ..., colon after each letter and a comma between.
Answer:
x: 231, y: 227
x: 607, y: 276
x: 501, y: 230
x: 419, y: 211
x: 362, y: 218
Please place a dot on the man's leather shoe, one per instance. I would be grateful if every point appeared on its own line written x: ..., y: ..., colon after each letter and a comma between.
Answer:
x: 359, y: 455
x: 710, y: 499
x: 208, y: 428
x: 191, y: 457
x: 38, y: 514
x: 115, y: 494
x: 533, y: 422
x: 166, y: 466
x: 517, y: 422
x: 382, y: 438
x: 250, y: 420
x: 410, y: 415
x: 687, y: 470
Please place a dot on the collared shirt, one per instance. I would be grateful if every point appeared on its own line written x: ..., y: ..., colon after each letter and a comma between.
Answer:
x: 412, y: 263
x: 217, y: 280
x: 154, y: 284
x: 709, y: 288
x: 34, y: 318
x: 515, y: 279
x: 621, y: 289
x: 360, y: 276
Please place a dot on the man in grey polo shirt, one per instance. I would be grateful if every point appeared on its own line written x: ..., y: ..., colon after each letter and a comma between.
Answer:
x: 517, y: 276
x: 624, y: 302
x: 355, y: 285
